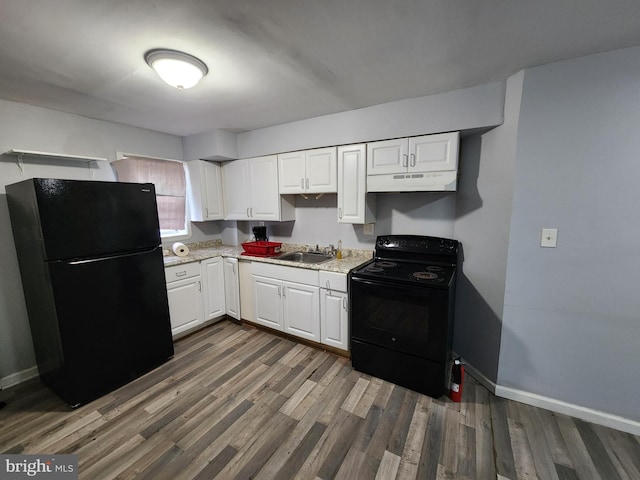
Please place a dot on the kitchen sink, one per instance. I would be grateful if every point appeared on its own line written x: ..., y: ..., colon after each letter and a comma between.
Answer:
x: 305, y: 257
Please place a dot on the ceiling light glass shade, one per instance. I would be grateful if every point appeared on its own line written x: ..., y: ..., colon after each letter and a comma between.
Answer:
x: 178, y: 69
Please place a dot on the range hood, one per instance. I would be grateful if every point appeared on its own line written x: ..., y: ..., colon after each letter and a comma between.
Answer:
x: 428, y: 163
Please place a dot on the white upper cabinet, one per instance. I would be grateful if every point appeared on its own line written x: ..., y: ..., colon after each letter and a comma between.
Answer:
x: 388, y: 156
x: 205, y: 192
x: 236, y: 189
x: 355, y: 205
x: 250, y: 189
x: 309, y: 171
x: 291, y: 172
x: 434, y: 153
x: 428, y: 153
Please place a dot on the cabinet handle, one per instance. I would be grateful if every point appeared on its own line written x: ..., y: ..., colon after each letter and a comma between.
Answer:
x: 339, y: 212
x: 233, y: 266
x: 405, y: 160
x: 307, y: 184
x: 251, y: 210
x: 199, y: 286
x: 413, y: 159
x: 181, y: 274
x: 206, y: 212
x: 284, y: 292
x: 279, y: 291
x: 344, y: 303
x: 302, y: 183
x: 248, y: 212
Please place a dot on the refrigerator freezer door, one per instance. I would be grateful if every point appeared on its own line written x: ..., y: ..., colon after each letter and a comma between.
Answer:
x: 91, y: 219
x: 113, y: 320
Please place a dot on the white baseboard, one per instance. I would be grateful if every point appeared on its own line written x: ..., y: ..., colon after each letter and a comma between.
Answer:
x: 19, y: 377
x: 583, y: 413
x: 588, y: 414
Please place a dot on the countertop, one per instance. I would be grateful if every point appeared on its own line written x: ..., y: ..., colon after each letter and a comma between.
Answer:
x: 202, y: 251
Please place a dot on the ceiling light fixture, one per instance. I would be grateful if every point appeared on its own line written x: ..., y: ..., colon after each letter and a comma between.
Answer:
x: 178, y: 69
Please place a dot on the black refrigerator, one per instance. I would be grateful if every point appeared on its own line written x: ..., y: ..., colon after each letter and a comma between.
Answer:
x: 91, y: 264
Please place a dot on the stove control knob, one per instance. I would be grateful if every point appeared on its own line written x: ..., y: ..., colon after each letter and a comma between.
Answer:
x: 393, y: 339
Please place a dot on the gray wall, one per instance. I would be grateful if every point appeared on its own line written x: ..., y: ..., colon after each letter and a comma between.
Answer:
x: 425, y: 213
x: 482, y: 220
x: 31, y: 128
x: 474, y: 107
x: 571, y: 324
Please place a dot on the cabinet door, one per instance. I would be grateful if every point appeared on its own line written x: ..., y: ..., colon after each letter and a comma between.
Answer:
x: 265, y: 203
x: 213, y: 283
x: 291, y: 172
x: 268, y: 302
x: 389, y: 156
x: 321, y: 171
x: 354, y: 204
x: 236, y: 189
x: 185, y: 304
x: 213, y: 209
x: 334, y: 319
x: 232, y: 287
x: 434, y: 153
x: 301, y: 310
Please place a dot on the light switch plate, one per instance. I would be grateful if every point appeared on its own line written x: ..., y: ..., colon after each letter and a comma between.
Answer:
x: 549, y: 237
x: 368, y: 229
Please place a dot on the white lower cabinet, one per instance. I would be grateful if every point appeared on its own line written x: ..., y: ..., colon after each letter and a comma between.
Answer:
x: 334, y: 310
x: 334, y: 318
x: 287, y: 306
x: 302, y: 302
x: 196, y: 293
x: 300, y: 313
x: 232, y: 287
x: 268, y: 302
x: 184, y: 292
x: 213, y: 294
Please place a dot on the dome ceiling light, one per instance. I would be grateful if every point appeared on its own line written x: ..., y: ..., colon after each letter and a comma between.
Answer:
x: 178, y: 69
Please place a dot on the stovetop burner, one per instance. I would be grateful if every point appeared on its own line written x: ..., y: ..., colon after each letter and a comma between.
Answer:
x: 425, y: 275
x: 406, y: 272
x: 386, y: 264
x: 412, y: 260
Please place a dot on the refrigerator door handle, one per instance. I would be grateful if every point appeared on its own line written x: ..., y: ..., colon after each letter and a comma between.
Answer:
x: 100, y: 259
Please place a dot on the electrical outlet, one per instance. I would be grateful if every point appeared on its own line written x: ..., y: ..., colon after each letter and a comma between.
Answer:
x: 549, y: 237
x: 368, y: 229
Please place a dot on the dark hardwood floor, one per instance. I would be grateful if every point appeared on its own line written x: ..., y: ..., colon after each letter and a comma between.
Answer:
x: 237, y: 402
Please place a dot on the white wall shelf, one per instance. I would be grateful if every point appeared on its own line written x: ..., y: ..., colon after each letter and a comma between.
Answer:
x: 20, y: 155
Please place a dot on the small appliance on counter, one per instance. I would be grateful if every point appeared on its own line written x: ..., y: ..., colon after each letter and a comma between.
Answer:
x: 260, y: 234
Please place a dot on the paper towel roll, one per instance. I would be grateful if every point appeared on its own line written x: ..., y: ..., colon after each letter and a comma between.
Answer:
x: 180, y: 249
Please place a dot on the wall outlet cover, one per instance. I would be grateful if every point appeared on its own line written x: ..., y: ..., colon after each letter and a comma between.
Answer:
x: 549, y: 237
x: 368, y: 229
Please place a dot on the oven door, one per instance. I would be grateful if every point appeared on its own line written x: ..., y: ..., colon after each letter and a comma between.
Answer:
x: 413, y: 320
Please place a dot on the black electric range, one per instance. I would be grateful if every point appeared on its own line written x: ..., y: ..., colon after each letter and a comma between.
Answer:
x: 401, y: 311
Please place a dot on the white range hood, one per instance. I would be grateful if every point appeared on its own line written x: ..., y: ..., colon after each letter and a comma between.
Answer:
x: 428, y: 163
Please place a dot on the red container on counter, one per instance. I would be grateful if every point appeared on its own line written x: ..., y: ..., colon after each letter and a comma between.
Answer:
x: 261, y: 248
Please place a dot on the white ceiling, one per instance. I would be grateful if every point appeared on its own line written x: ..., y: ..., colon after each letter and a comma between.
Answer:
x: 276, y: 61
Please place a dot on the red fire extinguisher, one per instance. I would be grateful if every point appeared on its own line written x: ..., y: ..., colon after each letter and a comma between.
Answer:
x: 457, y: 379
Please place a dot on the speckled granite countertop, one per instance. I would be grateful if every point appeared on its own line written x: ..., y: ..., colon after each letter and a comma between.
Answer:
x: 204, y: 250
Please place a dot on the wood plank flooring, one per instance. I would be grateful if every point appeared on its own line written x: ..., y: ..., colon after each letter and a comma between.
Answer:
x: 238, y: 403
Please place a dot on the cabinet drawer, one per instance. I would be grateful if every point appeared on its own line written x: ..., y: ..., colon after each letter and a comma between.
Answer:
x: 333, y: 280
x: 180, y: 272
x: 289, y: 274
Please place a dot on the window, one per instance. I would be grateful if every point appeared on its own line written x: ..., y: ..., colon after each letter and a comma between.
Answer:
x: 169, y: 179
